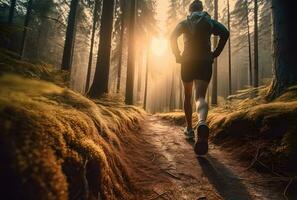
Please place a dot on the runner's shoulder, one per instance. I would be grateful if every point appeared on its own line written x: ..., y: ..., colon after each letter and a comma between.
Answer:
x: 182, y: 25
x: 207, y: 15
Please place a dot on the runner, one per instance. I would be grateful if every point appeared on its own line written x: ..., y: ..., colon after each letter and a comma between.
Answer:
x: 196, y: 65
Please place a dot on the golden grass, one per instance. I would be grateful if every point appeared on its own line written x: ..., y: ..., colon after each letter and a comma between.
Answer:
x: 57, y: 144
x: 10, y: 64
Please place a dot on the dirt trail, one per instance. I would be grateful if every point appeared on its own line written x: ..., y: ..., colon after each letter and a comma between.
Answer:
x: 171, y: 170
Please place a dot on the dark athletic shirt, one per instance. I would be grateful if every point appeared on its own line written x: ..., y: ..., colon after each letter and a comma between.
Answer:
x: 197, y: 44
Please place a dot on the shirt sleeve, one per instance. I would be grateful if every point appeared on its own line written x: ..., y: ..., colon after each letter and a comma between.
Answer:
x: 178, y: 31
x: 221, y: 31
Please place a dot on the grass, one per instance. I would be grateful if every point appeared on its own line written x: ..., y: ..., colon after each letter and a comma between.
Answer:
x: 252, y: 126
x: 58, y: 144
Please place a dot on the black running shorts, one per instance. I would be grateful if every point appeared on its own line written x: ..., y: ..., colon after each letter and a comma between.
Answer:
x: 196, y: 70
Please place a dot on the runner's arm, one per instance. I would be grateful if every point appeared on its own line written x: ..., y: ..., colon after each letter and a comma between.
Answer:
x: 221, y: 31
x: 178, y: 31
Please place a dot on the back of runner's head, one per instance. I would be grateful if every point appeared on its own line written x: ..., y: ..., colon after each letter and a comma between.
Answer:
x: 196, y: 6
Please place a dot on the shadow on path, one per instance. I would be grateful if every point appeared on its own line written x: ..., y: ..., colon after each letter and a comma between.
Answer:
x: 227, y: 184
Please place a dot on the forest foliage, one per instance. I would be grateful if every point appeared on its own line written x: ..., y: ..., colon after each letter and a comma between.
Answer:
x: 66, y: 34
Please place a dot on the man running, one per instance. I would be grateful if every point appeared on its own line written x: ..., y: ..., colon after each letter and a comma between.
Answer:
x: 196, y: 65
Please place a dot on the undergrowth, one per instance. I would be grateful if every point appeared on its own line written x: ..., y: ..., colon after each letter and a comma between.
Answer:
x: 10, y: 64
x: 58, y: 144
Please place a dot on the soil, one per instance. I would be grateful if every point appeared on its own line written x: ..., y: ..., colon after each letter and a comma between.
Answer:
x: 164, y: 166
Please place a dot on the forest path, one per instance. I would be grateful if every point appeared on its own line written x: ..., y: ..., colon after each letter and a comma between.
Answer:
x: 182, y: 175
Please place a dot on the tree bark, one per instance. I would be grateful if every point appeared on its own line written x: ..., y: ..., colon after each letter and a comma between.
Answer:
x: 131, y: 56
x: 285, y: 47
x: 11, y: 11
x: 249, y: 44
x: 256, y: 42
x: 214, y: 96
x: 100, y: 83
x: 139, y: 76
x: 148, y: 56
x: 229, y: 50
x: 26, y: 26
x: 70, y: 37
x: 122, y: 35
x: 172, y: 91
x: 95, y: 19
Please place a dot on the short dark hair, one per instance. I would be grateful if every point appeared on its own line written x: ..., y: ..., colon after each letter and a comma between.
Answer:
x: 196, y: 6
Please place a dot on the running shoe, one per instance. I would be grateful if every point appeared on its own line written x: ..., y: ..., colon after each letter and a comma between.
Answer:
x: 201, y: 146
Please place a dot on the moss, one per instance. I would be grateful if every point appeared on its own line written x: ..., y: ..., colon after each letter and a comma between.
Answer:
x: 57, y: 144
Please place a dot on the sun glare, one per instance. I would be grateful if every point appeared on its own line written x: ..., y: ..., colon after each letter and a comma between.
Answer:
x: 159, y: 46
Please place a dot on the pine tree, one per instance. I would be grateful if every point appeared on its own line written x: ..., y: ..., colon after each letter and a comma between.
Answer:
x: 95, y: 22
x: 242, y: 29
x: 148, y: 57
x: 131, y: 55
x: 173, y: 16
x: 249, y: 42
x: 26, y: 26
x: 256, y: 44
x: 285, y: 48
x: 229, y: 50
x: 11, y: 11
x: 70, y: 37
x: 101, y: 77
x: 214, y: 96
x: 121, y: 42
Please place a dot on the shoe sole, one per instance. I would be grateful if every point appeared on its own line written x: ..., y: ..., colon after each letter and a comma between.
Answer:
x: 201, y: 146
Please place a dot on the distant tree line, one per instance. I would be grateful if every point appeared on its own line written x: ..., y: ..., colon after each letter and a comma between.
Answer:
x: 105, y: 44
x: 66, y: 33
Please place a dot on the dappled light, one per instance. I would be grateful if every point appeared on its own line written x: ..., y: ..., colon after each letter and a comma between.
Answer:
x: 148, y: 99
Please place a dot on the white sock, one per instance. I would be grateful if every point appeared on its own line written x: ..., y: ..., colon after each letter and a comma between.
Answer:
x: 202, y: 110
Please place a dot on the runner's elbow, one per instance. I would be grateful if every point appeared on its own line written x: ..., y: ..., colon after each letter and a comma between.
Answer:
x: 227, y: 34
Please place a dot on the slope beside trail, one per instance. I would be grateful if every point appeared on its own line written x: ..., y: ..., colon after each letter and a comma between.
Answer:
x: 168, y: 168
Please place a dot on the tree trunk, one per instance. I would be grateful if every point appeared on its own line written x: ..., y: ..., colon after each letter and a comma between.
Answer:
x: 249, y: 44
x: 70, y: 37
x: 256, y: 50
x: 139, y: 77
x: 214, y: 96
x: 26, y: 26
x: 172, y: 91
x: 100, y: 83
x: 95, y: 18
x: 121, y: 43
x: 148, y: 56
x: 229, y: 50
x: 11, y: 11
x: 285, y: 47
x: 131, y: 56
